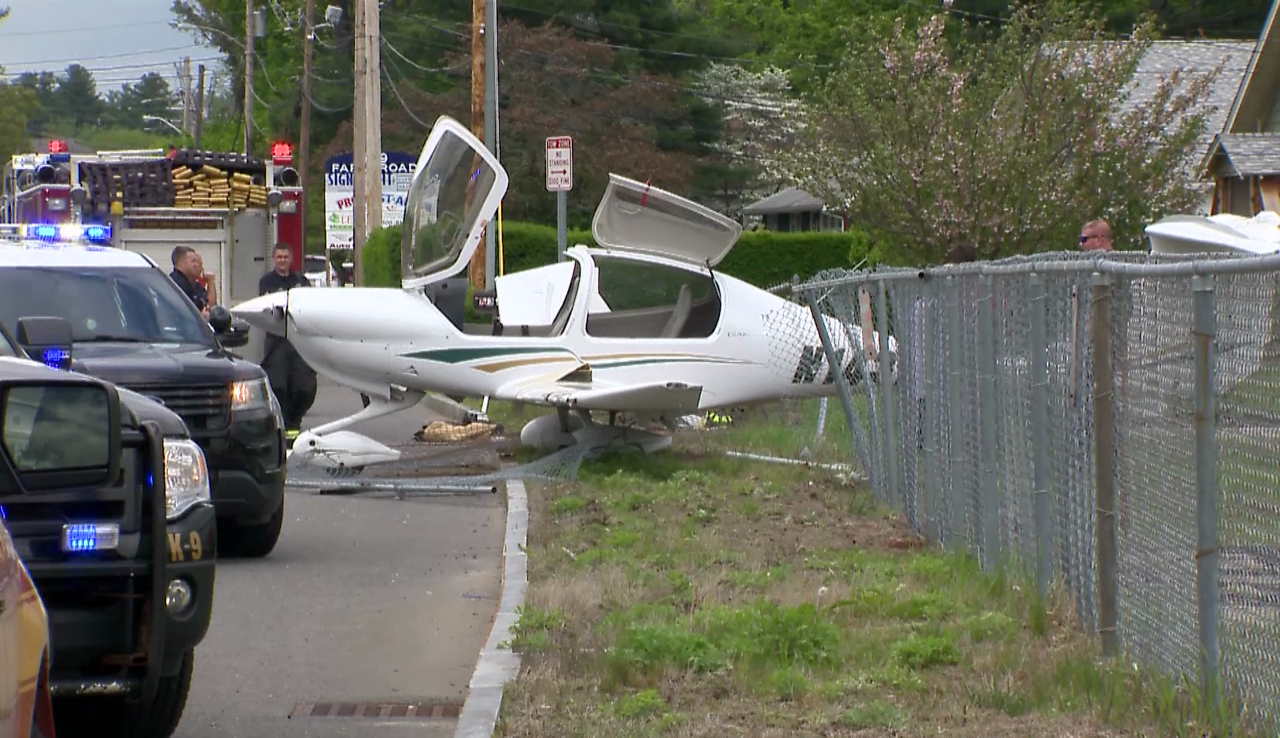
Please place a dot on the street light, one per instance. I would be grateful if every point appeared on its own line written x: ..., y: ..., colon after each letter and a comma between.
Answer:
x: 158, y: 119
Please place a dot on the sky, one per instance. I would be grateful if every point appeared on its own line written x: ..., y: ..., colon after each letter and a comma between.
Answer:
x: 117, y: 40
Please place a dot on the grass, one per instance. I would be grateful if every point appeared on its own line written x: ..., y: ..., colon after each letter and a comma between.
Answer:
x: 692, y: 594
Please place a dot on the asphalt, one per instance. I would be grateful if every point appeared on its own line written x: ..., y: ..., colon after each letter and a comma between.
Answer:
x: 363, y: 600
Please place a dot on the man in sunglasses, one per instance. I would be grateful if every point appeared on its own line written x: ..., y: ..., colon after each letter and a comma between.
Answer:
x: 1096, y: 236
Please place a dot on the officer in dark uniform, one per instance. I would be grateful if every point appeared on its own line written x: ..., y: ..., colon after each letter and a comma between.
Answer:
x: 292, y: 380
x: 187, y: 270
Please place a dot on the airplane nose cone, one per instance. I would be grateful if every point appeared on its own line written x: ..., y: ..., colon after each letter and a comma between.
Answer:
x: 266, y: 312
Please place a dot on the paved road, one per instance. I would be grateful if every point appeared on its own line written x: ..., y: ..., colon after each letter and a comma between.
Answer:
x: 363, y: 600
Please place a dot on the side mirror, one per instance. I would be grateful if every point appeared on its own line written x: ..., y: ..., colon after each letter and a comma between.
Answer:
x: 46, y: 339
x: 61, y: 434
x: 220, y: 319
x: 231, y: 333
x: 237, y: 336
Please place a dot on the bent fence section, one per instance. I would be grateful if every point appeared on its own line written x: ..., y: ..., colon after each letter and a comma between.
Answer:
x: 1112, y: 422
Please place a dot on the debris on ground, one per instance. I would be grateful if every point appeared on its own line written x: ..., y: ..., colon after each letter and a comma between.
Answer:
x: 440, y: 431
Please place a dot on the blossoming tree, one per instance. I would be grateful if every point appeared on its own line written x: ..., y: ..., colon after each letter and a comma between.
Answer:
x: 1009, y: 145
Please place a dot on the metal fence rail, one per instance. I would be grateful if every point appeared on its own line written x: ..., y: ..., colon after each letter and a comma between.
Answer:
x: 1112, y: 421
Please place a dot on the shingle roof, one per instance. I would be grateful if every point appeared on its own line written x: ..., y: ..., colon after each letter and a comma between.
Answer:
x: 1195, y: 57
x: 790, y: 200
x: 1247, y: 154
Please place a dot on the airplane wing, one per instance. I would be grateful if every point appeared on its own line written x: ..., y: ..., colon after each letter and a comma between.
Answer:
x: 588, y: 395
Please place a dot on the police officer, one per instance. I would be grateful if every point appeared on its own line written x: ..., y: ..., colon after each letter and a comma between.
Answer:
x: 292, y: 380
x: 188, y: 267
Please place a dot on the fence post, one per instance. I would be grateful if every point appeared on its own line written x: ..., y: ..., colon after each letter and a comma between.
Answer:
x: 928, y: 430
x: 1040, y: 432
x: 842, y: 386
x: 955, y: 422
x: 1203, y: 328
x: 988, y: 488
x: 1104, y: 463
x: 894, y: 489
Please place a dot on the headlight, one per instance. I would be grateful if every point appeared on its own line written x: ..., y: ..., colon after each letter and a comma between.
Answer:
x: 250, y: 394
x: 186, y: 477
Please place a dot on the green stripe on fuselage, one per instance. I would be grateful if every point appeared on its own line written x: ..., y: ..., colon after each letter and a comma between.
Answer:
x: 461, y: 355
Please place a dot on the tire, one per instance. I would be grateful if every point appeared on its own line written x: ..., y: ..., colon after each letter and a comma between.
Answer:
x: 155, y: 718
x: 255, y: 541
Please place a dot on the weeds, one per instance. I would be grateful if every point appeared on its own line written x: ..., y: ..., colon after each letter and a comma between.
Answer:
x: 691, y: 594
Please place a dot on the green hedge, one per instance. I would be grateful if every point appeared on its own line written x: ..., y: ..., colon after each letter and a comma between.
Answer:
x: 762, y: 258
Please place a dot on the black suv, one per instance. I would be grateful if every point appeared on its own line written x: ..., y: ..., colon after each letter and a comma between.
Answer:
x: 107, y: 501
x: 134, y: 327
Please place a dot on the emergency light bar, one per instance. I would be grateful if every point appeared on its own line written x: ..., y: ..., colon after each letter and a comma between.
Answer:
x: 85, y: 537
x: 59, y: 232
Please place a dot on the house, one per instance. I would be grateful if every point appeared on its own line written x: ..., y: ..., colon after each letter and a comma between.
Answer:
x: 1243, y: 160
x: 793, y: 209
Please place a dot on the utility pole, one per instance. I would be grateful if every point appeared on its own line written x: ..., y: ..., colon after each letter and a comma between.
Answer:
x: 304, y: 133
x: 476, y: 271
x: 490, y: 250
x: 199, y: 106
x: 248, y: 77
x: 373, y: 111
x: 359, y: 142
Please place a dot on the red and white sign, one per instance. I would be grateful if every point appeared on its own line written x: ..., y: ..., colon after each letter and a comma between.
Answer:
x: 559, y: 164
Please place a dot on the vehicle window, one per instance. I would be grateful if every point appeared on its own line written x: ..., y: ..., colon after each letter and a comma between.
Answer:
x: 313, y: 264
x: 646, y: 300
x: 56, y: 428
x: 136, y: 304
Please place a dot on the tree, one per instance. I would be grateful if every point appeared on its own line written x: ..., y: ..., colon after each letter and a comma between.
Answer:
x: 553, y: 83
x: 1009, y: 145
x: 761, y: 117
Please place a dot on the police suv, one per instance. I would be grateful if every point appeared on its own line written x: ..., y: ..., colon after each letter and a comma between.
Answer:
x: 132, y: 326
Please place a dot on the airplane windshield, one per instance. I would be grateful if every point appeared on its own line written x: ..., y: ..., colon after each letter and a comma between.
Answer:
x: 444, y: 205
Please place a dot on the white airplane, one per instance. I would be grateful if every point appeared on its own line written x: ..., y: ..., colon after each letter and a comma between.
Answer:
x: 643, y: 326
x: 1224, y: 232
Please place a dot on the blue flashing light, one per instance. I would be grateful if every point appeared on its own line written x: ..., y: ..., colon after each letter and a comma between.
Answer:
x: 44, y: 232
x: 69, y: 233
x: 3, y: 515
x: 85, y: 537
x: 56, y: 357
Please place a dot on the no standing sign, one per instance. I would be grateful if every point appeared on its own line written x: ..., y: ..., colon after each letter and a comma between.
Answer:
x: 559, y: 164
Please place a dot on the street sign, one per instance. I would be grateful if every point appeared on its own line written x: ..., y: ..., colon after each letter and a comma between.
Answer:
x: 559, y: 164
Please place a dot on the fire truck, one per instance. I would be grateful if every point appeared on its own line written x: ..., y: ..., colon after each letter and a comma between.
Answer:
x: 229, y: 207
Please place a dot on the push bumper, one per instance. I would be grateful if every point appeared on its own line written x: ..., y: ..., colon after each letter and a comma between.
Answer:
x: 116, y: 626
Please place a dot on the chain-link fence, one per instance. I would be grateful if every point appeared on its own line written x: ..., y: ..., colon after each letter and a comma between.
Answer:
x: 1112, y: 421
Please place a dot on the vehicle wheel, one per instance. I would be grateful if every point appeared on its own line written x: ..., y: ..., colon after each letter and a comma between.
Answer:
x: 159, y: 717
x: 155, y: 718
x: 255, y: 541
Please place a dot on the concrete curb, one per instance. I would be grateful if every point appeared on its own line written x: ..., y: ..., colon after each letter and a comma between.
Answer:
x: 497, y: 666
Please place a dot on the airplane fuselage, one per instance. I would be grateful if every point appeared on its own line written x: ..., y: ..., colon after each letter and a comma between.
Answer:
x: 752, y: 346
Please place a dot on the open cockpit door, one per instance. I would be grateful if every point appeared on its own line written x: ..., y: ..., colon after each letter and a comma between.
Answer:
x: 456, y: 190
x: 632, y: 216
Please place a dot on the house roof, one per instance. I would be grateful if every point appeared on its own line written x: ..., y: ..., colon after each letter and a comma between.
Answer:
x: 1259, y: 78
x: 790, y: 200
x: 1245, y: 154
x: 1195, y: 57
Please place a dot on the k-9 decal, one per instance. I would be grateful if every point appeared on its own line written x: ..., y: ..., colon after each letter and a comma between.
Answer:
x: 811, y: 360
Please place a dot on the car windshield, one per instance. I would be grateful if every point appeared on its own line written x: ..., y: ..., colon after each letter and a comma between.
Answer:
x: 128, y: 304
x: 314, y: 264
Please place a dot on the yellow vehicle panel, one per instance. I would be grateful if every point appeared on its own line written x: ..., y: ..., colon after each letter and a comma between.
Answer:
x: 25, y: 706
